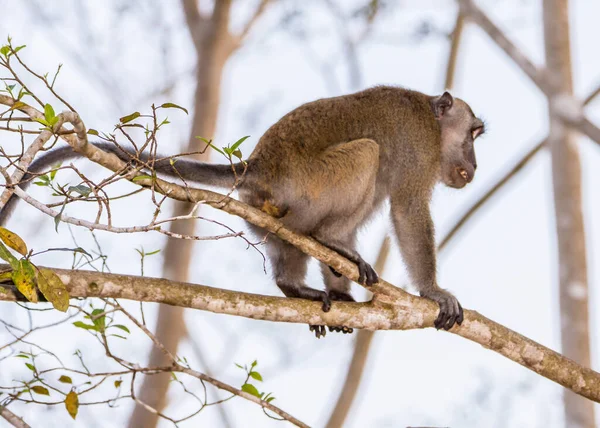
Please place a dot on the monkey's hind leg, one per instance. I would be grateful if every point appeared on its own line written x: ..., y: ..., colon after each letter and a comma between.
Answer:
x: 289, y: 265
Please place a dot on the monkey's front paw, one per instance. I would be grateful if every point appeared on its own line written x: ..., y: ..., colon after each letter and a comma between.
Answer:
x: 366, y: 274
x: 450, y: 310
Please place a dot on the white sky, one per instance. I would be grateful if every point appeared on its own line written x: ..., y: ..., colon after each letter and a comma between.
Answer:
x: 504, y: 266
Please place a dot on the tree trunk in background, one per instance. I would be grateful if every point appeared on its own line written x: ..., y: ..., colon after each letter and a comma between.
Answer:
x: 362, y: 346
x: 566, y: 178
x: 213, y: 47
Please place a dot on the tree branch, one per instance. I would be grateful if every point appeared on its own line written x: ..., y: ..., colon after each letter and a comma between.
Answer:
x: 383, y: 313
x: 455, y: 39
x: 392, y: 308
x: 12, y: 419
x: 568, y: 108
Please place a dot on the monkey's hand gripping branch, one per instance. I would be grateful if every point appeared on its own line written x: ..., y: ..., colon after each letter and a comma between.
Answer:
x: 391, y: 309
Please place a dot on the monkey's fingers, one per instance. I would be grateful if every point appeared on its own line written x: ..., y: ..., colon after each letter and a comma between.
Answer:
x: 451, y: 311
x: 366, y: 274
x: 319, y: 330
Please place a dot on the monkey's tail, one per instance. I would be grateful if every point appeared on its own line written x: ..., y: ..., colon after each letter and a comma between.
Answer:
x: 203, y: 173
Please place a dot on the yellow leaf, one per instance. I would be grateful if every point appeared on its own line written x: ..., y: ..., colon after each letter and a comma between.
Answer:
x: 17, y: 104
x: 13, y: 240
x: 24, y: 279
x: 72, y: 403
x: 65, y: 379
x: 53, y: 289
x: 40, y: 390
x: 5, y: 277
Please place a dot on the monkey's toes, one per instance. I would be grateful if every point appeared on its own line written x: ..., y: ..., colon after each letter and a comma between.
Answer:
x: 451, y: 312
x: 319, y: 330
x: 341, y: 329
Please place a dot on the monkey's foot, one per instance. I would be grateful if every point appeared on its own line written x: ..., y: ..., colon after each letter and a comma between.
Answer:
x: 451, y: 311
x: 340, y: 296
x: 320, y: 331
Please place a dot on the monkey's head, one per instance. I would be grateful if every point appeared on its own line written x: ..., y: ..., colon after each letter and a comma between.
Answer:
x: 459, y: 129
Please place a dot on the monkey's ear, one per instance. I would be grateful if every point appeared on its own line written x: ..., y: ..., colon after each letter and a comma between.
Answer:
x: 441, y: 104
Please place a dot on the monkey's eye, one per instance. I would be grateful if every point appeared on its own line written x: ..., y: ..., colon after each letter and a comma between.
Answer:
x: 476, y: 132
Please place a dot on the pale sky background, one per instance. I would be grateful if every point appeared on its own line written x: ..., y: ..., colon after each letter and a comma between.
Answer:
x: 503, y: 266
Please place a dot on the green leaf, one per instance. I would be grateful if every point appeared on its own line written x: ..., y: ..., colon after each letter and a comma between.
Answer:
x: 118, y: 335
x: 83, y: 190
x: 24, y: 278
x: 49, y: 113
x: 4, y: 50
x: 58, y: 216
x: 30, y: 367
x: 13, y: 240
x: 141, y: 177
x: 171, y: 105
x: 18, y: 48
x: 152, y: 253
x: 239, y: 142
x: 42, y: 121
x: 72, y: 403
x: 122, y: 327
x: 250, y: 389
x: 130, y: 117
x: 237, y: 154
x: 22, y: 356
x: 65, y: 379
x: 38, y: 389
x: 118, y: 383
x: 92, y: 132
x: 237, y: 365
x: 99, y: 322
x: 217, y: 149
x: 268, y: 400
x: 256, y: 375
x: 85, y: 326
x: 8, y: 257
x: 54, y: 171
x: 254, y: 363
x: 53, y: 289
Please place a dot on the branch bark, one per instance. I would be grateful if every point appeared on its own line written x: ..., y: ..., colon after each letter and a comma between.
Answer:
x: 12, y: 419
x: 403, y: 312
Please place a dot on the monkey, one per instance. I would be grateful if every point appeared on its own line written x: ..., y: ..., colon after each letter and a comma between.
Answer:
x: 325, y: 167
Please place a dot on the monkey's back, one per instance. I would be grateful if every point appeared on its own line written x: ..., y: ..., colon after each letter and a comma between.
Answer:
x: 390, y: 116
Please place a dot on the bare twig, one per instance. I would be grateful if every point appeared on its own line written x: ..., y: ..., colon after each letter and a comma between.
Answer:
x: 11, y: 418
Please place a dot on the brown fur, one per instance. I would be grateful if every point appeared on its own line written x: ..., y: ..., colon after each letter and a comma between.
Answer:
x: 326, y: 166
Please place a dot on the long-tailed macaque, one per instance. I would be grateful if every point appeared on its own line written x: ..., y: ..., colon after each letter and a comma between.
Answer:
x: 326, y: 166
